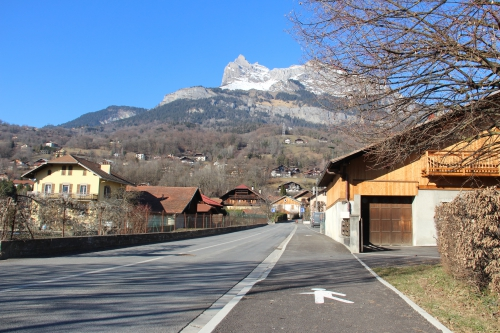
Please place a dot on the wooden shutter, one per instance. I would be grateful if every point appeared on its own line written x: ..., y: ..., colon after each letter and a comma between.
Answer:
x: 84, y: 172
x: 78, y: 189
x: 70, y: 172
x: 52, y: 188
x: 43, y: 187
x: 63, y: 171
x: 88, y: 189
x: 70, y: 188
x: 60, y: 188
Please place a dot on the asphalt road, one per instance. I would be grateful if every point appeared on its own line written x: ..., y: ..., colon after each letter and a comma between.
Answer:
x: 152, y: 288
x: 286, y: 302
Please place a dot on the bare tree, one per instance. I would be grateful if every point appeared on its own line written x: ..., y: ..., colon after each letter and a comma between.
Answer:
x: 402, y: 62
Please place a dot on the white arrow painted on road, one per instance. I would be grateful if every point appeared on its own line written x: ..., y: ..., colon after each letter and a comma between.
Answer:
x: 320, y: 294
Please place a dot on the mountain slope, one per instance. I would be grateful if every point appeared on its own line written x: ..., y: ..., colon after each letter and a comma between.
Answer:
x: 107, y: 115
x: 216, y: 107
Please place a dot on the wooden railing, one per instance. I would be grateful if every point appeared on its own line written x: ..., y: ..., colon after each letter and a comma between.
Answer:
x: 464, y: 163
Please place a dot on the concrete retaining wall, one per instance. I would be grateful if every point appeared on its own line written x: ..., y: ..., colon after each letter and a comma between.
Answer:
x: 62, y: 246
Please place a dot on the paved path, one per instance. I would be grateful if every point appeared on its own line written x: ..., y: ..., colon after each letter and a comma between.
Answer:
x: 284, y: 301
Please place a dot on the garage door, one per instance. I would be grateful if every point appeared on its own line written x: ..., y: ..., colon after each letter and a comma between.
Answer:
x: 390, y: 224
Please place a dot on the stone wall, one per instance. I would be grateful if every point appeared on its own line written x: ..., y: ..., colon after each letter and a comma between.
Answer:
x: 62, y: 246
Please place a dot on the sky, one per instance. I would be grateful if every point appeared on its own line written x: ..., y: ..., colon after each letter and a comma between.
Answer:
x: 60, y: 59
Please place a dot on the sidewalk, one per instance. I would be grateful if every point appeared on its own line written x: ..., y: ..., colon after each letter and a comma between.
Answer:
x: 285, y: 300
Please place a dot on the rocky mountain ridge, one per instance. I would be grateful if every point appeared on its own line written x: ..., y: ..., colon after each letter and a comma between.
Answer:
x: 249, y: 92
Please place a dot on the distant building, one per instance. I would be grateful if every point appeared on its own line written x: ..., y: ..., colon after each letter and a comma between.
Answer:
x: 51, y: 144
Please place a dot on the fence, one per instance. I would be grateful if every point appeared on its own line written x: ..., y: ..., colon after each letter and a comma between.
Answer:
x: 158, y: 223
x: 151, y: 223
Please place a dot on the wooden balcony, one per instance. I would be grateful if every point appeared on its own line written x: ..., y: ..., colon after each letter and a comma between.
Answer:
x: 464, y: 163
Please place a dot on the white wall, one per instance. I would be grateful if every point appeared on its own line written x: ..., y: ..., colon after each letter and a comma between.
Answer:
x: 333, y: 221
x: 424, y: 204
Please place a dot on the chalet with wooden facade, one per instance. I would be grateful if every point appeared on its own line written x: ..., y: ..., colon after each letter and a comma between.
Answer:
x: 394, y: 206
x: 242, y: 197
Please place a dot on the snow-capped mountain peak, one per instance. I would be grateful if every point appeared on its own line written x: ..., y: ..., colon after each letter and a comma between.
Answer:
x: 242, y: 75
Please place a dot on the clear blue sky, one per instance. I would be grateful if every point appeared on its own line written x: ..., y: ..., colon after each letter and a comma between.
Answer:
x: 60, y: 59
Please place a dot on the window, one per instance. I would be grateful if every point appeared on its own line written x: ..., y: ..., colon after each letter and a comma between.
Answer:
x: 49, y: 172
x: 107, y: 191
x: 47, y: 188
x: 63, y: 171
x: 65, y: 189
x: 70, y: 170
x: 83, y: 189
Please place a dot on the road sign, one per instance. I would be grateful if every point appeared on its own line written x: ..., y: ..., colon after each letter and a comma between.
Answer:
x: 302, y: 209
x: 273, y: 210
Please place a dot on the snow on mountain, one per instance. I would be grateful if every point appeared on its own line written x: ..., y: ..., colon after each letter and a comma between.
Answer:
x: 241, y: 75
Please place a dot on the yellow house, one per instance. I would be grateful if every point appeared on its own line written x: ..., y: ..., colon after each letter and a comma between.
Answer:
x: 75, y: 177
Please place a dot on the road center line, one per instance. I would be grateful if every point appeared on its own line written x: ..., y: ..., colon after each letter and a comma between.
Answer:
x: 115, y: 267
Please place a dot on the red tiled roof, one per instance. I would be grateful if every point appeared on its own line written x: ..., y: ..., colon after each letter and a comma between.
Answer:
x: 210, y: 202
x: 18, y: 181
x: 203, y: 208
x: 242, y: 187
x: 174, y: 200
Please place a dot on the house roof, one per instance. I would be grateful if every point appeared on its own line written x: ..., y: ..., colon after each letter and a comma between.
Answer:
x: 90, y: 166
x: 210, y: 202
x: 285, y: 197
x: 204, y: 208
x: 174, y: 200
x: 243, y: 187
x: 27, y: 181
x: 304, y: 193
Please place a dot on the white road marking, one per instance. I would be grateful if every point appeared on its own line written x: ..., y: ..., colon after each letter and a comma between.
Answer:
x: 417, y: 308
x: 320, y: 294
x: 62, y: 278
x: 210, y: 318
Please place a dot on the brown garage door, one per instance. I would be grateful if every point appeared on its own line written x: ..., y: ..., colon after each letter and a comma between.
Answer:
x: 390, y: 224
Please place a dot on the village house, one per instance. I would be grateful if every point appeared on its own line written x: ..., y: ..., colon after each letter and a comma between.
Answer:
x: 75, y: 177
x: 199, y: 157
x: 288, y: 205
x: 242, y: 197
x: 186, y: 160
x: 304, y: 197
x: 173, y: 208
x: 299, y: 141
x: 290, y: 187
x: 394, y: 206
x: 51, y: 144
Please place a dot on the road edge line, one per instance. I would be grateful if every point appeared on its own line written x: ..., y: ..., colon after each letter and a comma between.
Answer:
x: 415, y: 307
x: 208, y: 320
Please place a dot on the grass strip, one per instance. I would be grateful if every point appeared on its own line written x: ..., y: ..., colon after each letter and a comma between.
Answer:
x: 455, y: 304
